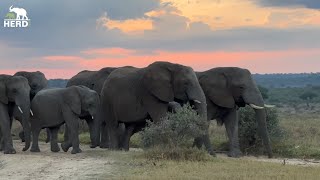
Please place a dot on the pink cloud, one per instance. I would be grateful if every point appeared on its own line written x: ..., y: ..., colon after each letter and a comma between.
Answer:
x: 62, y: 58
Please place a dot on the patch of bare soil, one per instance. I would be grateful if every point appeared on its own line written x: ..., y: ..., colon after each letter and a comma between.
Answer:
x: 48, y: 165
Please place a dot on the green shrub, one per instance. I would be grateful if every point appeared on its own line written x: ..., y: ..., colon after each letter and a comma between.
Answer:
x: 250, y: 141
x: 175, y: 129
x: 172, y: 137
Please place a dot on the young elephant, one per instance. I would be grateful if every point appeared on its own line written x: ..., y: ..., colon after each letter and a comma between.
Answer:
x: 54, y: 107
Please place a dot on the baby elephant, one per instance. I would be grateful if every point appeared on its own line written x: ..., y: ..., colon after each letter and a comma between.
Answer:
x: 54, y: 107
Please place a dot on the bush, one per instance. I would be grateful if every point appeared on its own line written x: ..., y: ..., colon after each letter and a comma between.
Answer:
x: 175, y: 129
x: 171, y: 138
x: 249, y: 138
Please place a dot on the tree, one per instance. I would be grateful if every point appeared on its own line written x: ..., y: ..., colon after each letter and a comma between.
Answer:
x: 308, y: 96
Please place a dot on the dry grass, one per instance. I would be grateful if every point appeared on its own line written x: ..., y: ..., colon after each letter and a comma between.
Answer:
x: 132, y: 165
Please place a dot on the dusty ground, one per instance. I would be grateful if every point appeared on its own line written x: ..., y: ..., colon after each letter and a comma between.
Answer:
x: 91, y: 164
x: 48, y: 165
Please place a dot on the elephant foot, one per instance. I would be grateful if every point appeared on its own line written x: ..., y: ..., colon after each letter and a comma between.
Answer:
x: 9, y: 151
x: 104, y: 146
x: 75, y: 151
x: 55, y: 149
x: 35, y: 149
x: 235, y: 153
x: 65, y: 147
x: 93, y: 146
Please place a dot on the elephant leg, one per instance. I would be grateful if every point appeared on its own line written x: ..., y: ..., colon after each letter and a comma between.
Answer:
x: 90, y: 125
x: 231, y: 122
x: 48, y: 135
x: 104, y: 136
x: 125, y: 137
x: 6, y: 131
x: 54, y: 139
x: 66, y: 133
x: 35, y: 139
x: 21, y: 136
x: 72, y: 124
x: 1, y: 141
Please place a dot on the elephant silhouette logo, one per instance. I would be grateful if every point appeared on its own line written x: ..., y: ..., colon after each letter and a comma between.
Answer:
x: 20, y: 13
x: 16, y: 17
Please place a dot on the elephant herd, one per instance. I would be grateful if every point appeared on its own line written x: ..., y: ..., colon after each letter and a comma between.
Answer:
x: 116, y: 102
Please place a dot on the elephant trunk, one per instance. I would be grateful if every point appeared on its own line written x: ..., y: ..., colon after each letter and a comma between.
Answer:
x: 95, y: 132
x: 200, y: 104
x: 25, y: 110
x: 254, y: 98
x: 262, y: 129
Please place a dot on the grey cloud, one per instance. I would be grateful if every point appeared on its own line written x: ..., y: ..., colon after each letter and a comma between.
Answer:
x: 312, y: 4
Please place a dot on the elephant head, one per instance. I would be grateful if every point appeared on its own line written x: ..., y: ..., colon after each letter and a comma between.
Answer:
x: 229, y: 87
x: 37, y: 81
x: 84, y: 101
x: 15, y: 89
x: 173, y: 82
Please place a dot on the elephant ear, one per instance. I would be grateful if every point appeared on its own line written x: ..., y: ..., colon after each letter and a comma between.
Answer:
x: 3, y: 93
x: 157, y: 80
x: 72, y: 99
x: 217, y: 90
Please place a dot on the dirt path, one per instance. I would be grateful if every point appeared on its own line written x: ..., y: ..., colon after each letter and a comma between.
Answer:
x: 48, y: 165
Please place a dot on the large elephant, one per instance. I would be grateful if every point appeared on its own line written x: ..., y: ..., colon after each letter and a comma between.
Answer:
x: 131, y: 95
x: 226, y: 89
x: 37, y: 81
x: 54, y: 107
x: 14, y: 96
x: 93, y: 80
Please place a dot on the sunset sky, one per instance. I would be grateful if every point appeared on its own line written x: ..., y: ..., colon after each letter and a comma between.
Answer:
x: 67, y: 36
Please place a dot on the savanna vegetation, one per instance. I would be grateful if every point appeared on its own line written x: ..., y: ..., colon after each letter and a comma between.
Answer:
x: 294, y: 128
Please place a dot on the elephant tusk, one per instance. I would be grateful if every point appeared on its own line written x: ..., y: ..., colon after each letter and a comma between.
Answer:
x: 269, y: 106
x: 20, y: 109
x: 197, y: 101
x: 256, y: 107
x: 31, y: 112
x: 92, y: 117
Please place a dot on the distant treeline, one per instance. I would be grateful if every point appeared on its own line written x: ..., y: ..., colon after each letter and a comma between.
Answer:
x: 287, y: 80
x: 265, y: 80
x: 57, y: 83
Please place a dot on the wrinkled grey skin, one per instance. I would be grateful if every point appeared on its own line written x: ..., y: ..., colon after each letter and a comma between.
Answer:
x: 37, y: 81
x: 93, y: 80
x: 14, y: 92
x: 54, y: 107
x: 226, y: 89
x: 131, y: 95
